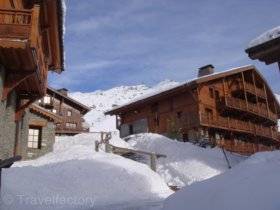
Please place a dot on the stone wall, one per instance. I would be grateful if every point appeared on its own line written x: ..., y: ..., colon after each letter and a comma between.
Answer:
x: 48, y: 137
x: 7, y: 121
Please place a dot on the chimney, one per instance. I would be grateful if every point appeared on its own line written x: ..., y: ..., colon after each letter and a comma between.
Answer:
x: 63, y: 91
x: 205, y: 70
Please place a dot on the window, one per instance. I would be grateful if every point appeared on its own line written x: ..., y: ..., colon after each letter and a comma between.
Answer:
x: 71, y: 125
x: 211, y: 92
x: 47, y: 99
x: 69, y: 113
x: 34, y: 138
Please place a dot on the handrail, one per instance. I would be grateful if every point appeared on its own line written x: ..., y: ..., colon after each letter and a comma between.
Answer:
x: 105, y: 138
x: 241, y: 104
x: 15, y: 17
x: 239, y: 125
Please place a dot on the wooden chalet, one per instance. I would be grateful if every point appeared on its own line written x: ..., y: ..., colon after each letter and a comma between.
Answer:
x: 266, y: 47
x: 31, y: 44
x: 234, y: 109
x: 70, y: 110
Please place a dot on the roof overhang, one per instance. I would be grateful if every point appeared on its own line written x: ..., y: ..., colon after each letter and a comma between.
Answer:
x: 188, y: 85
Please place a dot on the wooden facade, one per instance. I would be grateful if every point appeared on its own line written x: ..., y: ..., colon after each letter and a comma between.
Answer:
x: 70, y: 110
x: 235, y: 109
x: 31, y: 44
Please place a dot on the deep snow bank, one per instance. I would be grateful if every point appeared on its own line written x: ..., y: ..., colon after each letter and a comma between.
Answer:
x: 185, y: 163
x: 253, y: 184
x: 74, y: 172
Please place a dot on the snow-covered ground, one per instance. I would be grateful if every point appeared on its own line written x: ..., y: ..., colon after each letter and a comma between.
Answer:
x: 76, y: 177
x: 253, y: 184
x: 185, y: 163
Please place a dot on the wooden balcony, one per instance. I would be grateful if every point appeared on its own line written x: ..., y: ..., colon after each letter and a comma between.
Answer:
x: 253, y: 109
x: 254, y: 90
x: 239, y: 126
x: 70, y: 131
x: 21, y: 51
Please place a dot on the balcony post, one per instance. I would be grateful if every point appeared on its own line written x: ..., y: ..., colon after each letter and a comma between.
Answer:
x: 255, y: 90
x: 267, y: 107
x: 245, y: 94
x: 225, y: 93
x: 34, y: 25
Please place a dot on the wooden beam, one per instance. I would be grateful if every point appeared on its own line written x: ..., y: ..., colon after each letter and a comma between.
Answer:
x: 255, y: 90
x: 266, y: 100
x: 245, y: 94
x: 21, y: 108
x: 12, y: 81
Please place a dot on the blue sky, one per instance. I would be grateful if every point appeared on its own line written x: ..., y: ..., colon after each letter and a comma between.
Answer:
x: 125, y: 42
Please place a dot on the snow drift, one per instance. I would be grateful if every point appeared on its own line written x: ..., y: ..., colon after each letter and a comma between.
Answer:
x: 253, y: 184
x: 74, y: 172
x: 185, y: 163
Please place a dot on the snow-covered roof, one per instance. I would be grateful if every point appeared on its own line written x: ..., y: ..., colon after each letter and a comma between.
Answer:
x: 265, y: 37
x: 185, y: 83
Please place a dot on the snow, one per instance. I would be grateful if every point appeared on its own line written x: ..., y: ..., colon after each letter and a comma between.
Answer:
x: 76, y: 177
x: 253, y: 184
x: 185, y: 163
x: 265, y: 37
x: 64, y: 9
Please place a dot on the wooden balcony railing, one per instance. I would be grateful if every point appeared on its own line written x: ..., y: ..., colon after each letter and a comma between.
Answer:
x: 239, y: 126
x: 252, y: 108
x: 64, y: 129
x: 15, y: 23
x: 255, y: 90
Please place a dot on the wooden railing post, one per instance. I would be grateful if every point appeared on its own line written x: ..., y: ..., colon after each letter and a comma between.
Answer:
x: 153, y: 162
x: 96, y: 146
x: 34, y: 26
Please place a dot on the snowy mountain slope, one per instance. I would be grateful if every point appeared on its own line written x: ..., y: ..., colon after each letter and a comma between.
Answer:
x: 101, y: 101
x: 253, y: 184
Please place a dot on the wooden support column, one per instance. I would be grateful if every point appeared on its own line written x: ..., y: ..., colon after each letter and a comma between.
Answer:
x: 266, y: 100
x: 225, y: 93
x: 255, y: 90
x: 245, y: 94
x: 35, y: 25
